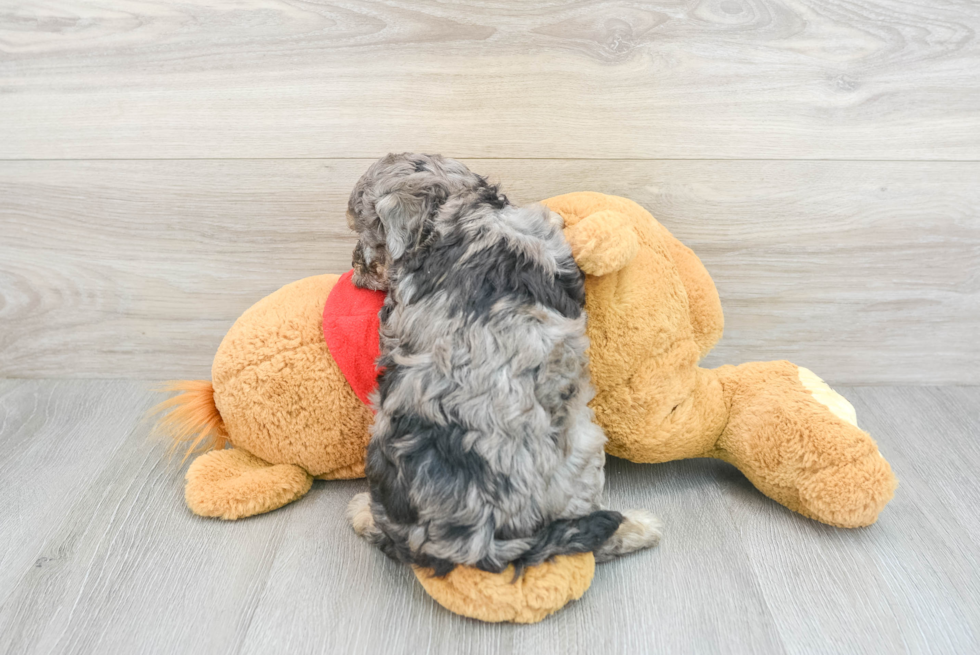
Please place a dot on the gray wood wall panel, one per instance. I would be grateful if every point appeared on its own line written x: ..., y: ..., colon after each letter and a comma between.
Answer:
x: 866, y: 272
x: 859, y: 79
x: 121, y: 566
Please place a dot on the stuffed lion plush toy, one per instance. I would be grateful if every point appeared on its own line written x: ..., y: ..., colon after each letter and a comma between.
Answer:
x: 290, y: 382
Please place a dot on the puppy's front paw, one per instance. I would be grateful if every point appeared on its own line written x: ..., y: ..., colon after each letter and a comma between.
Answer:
x: 359, y: 514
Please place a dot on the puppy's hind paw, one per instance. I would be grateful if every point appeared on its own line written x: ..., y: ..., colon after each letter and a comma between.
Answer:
x: 359, y: 514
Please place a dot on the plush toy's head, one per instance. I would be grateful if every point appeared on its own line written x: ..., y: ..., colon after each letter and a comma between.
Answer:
x: 653, y: 313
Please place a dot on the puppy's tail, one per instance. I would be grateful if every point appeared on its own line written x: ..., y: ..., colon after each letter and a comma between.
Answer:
x: 190, y: 417
x: 569, y: 537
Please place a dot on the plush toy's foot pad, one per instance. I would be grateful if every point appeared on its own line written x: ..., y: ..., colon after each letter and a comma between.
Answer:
x: 826, y: 396
x: 232, y: 484
x: 496, y: 597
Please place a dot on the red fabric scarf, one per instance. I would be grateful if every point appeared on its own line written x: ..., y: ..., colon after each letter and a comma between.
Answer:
x: 350, y: 328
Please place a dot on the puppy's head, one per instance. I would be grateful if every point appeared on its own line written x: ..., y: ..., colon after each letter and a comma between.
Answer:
x: 393, y: 206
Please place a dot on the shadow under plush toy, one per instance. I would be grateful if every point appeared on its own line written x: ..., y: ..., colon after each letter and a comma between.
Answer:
x: 291, y: 377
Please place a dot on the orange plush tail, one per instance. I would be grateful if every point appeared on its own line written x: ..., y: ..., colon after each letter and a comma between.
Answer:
x: 191, y: 417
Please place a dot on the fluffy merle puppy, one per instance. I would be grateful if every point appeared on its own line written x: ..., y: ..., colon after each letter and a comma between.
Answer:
x: 483, y: 451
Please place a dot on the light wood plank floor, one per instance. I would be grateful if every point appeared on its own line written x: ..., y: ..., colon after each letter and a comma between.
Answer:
x: 99, y: 554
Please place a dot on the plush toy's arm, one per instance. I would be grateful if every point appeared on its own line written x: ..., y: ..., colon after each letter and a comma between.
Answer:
x: 606, y: 241
x: 602, y: 242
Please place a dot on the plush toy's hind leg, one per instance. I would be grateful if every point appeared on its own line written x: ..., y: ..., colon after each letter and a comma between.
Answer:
x: 797, y: 440
x: 232, y: 484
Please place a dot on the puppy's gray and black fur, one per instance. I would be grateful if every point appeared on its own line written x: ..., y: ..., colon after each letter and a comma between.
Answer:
x: 484, y: 451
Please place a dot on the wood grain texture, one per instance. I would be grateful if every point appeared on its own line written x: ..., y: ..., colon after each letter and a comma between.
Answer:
x: 918, y: 589
x: 856, y: 79
x: 124, y: 567
x: 55, y: 437
x: 863, y: 272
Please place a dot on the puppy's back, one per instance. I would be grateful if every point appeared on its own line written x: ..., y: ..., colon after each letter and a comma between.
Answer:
x: 484, y: 452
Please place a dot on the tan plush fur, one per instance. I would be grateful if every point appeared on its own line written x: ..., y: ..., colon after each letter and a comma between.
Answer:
x: 281, y: 395
x: 542, y: 590
x: 651, y: 318
x: 278, y: 397
x: 232, y: 484
x: 653, y: 313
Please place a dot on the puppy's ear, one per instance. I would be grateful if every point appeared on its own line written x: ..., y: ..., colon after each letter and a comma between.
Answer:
x: 603, y: 242
x: 398, y: 212
x: 404, y: 214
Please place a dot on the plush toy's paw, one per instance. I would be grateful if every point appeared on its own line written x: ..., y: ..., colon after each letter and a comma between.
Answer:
x: 602, y: 242
x: 852, y: 493
x: 848, y: 496
x: 232, y: 484
x: 497, y: 597
x: 640, y: 529
x: 797, y: 440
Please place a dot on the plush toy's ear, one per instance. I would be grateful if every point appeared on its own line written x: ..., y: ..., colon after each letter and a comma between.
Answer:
x: 603, y: 242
